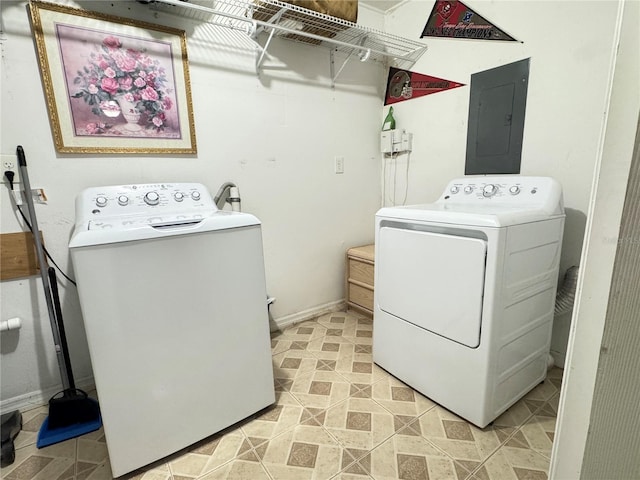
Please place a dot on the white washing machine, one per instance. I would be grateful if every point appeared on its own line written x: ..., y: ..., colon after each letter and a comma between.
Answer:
x: 173, y: 298
x: 465, y: 290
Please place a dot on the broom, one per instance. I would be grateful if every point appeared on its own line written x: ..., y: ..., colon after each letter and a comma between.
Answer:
x: 71, y: 412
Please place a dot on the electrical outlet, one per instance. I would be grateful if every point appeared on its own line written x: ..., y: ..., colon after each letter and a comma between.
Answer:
x: 10, y: 164
x: 339, y: 164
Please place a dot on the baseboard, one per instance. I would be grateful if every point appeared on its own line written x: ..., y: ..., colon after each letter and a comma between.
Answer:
x: 308, y: 314
x: 40, y: 397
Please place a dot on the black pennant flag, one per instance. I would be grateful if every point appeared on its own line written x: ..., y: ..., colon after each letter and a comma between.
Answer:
x: 453, y: 19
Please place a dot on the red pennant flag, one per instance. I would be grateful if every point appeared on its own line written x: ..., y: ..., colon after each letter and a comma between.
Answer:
x: 453, y: 19
x: 404, y: 85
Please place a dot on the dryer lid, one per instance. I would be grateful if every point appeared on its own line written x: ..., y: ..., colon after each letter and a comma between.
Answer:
x: 496, y: 201
x: 473, y: 215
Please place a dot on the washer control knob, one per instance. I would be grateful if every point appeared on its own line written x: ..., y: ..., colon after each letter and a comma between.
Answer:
x: 152, y: 198
x: 101, y: 201
x: 468, y: 189
x: 489, y: 190
x: 195, y: 195
x: 178, y: 197
x: 455, y: 189
x: 123, y: 200
x: 514, y: 190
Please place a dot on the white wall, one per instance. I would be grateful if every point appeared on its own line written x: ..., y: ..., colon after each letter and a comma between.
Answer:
x: 274, y: 136
x: 570, y: 44
x: 601, y: 243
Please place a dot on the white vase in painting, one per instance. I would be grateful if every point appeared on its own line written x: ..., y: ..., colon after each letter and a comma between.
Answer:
x: 130, y: 113
x: 110, y: 108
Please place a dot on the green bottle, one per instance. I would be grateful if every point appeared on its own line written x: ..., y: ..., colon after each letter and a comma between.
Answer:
x: 389, y: 122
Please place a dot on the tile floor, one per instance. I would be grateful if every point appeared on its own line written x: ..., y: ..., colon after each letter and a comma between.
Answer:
x: 337, y: 416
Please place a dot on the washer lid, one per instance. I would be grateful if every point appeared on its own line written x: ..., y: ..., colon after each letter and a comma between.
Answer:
x: 127, y: 229
x: 140, y: 200
x: 122, y: 213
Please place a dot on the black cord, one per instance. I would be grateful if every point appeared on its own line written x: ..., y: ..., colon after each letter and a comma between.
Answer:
x: 43, y: 247
x: 9, y: 176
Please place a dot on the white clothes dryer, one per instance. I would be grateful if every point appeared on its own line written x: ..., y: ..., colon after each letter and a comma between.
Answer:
x: 174, y: 303
x: 465, y: 290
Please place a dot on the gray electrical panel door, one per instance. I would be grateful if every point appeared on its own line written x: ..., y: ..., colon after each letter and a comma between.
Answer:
x: 496, y: 119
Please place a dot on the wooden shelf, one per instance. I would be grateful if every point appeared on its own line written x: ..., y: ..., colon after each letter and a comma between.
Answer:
x: 360, y: 278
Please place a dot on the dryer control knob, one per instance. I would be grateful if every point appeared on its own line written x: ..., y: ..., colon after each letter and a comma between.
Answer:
x: 514, y: 190
x: 489, y: 190
x: 454, y: 189
x: 152, y: 198
x: 123, y: 200
x: 178, y: 197
x: 101, y: 201
x: 195, y: 195
x: 468, y: 189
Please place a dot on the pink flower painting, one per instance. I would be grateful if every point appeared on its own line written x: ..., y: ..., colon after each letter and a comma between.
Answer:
x: 114, y: 75
x: 113, y: 85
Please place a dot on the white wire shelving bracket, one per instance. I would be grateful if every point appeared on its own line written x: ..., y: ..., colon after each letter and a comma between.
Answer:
x: 277, y: 18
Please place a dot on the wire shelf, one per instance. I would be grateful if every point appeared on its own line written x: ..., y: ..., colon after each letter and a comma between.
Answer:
x: 301, y: 25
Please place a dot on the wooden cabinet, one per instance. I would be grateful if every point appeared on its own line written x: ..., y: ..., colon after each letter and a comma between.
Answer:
x: 359, y: 278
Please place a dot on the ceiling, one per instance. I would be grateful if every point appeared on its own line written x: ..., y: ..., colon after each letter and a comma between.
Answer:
x: 383, y: 5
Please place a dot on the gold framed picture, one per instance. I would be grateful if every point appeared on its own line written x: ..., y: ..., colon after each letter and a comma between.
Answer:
x: 113, y: 85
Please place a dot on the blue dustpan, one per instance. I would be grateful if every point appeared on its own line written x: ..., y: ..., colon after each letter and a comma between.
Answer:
x: 48, y: 436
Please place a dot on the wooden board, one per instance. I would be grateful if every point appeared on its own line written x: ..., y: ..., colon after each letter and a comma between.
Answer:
x: 359, y: 279
x: 361, y: 272
x: 343, y: 9
x: 361, y: 296
x: 18, y: 257
x: 365, y: 252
